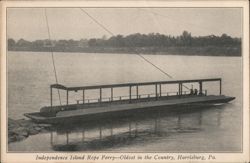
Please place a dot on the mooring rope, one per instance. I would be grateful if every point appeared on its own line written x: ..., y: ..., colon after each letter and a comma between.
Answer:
x: 52, y: 54
x: 141, y: 56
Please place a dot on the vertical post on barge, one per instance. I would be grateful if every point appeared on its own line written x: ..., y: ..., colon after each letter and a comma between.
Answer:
x: 200, y: 84
x: 156, y: 92
x: 130, y: 90
x: 51, y: 93
x: 137, y: 92
x: 180, y: 89
x: 100, y: 95
x: 220, y: 87
x: 67, y: 97
x: 83, y: 96
x: 111, y: 93
x: 160, y: 89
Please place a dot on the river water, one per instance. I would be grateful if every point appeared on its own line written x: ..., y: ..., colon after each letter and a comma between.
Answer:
x: 217, y: 129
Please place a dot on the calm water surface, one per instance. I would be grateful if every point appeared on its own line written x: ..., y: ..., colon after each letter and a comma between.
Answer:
x: 203, y: 130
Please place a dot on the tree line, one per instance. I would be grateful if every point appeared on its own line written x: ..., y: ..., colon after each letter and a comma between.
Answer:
x: 137, y: 40
x: 160, y: 40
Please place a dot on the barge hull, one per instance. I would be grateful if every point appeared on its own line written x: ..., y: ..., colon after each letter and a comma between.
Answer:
x: 98, y: 113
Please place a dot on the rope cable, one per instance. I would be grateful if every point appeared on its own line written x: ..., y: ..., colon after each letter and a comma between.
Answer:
x: 112, y: 34
x: 52, y: 54
x: 137, y: 53
x: 154, y: 13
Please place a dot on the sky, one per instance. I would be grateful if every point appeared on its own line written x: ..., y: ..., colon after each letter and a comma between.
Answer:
x: 72, y: 23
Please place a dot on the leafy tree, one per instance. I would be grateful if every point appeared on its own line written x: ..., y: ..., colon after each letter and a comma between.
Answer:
x: 92, y: 42
x: 23, y: 43
x: 186, y: 38
x: 11, y: 43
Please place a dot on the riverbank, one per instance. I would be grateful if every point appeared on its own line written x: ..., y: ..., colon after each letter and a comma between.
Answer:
x: 21, y: 129
x: 182, y: 50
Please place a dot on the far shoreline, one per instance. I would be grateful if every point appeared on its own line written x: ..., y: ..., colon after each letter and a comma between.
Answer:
x: 182, y: 51
x: 158, y: 54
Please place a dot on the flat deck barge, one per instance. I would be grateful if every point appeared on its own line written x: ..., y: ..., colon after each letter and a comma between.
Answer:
x: 113, y: 106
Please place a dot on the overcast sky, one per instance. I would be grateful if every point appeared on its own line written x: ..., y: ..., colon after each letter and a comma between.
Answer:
x: 72, y: 23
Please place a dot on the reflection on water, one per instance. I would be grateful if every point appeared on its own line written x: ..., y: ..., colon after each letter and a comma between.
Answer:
x: 109, y: 134
x: 160, y: 130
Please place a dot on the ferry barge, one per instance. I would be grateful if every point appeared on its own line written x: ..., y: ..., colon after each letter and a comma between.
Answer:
x: 87, y: 110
